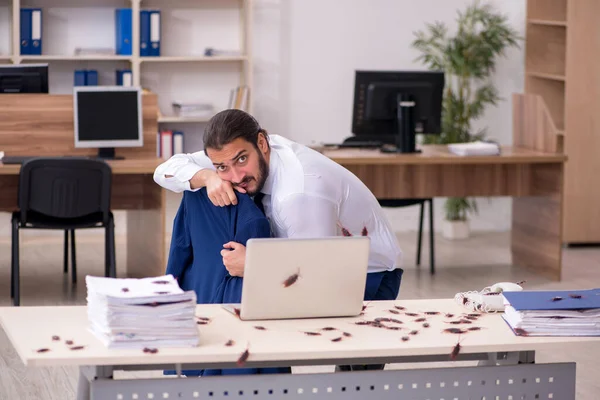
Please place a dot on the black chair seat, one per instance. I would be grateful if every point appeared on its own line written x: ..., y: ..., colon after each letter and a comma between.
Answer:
x: 36, y: 220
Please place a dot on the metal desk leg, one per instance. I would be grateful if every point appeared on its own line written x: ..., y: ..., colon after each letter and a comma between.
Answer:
x: 88, y: 374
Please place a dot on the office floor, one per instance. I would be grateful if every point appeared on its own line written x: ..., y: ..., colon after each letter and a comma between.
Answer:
x: 465, y: 265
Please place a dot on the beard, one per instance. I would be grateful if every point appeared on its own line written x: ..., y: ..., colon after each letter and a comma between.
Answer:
x: 261, y: 178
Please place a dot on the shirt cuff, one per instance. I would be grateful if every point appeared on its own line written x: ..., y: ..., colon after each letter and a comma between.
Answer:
x: 186, y: 172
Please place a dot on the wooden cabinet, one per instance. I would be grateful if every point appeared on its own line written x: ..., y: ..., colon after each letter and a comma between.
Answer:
x: 562, y: 54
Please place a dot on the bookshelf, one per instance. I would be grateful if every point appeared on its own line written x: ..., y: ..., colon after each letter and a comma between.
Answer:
x: 561, y: 55
x: 188, y: 27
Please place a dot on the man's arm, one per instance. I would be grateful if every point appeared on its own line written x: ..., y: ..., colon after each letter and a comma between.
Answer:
x: 175, y: 173
x: 308, y: 216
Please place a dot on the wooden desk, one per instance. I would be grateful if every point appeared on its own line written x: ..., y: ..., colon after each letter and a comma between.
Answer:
x: 534, y: 178
x: 134, y: 190
x: 42, y: 125
x: 284, y: 343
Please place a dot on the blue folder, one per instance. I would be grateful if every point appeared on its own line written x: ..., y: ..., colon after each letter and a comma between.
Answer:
x: 91, y: 78
x: 144, y: 33
x: 155, y: 33
x: 543, y: 300
x: 123, y: 31
x: 124, y: 75
x: 25, y: 31
x: 79, y: 78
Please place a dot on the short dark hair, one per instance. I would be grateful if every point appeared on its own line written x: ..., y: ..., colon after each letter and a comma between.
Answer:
x: 228, y: 125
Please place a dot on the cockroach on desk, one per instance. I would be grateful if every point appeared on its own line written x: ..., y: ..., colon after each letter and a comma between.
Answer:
x: 338, y: 339
x: 77, y: 348
x: 557, y: 298
x: 394, y: 312
x: 44, y: 350
x: 422, y: 319
x: 431, y: 312
x: 454, y: 330
x: 400, y: 308
x: 448, y: 315
x: 68, y: 342
x: 347, y: 334
x: 521, y: 332
x: 160, y: 282
x: 229, y: 343
x: 312, y: 333
x: 55, y: 338
x: 575, y: 296
x: 243, y: 357
x: 329, y: 328
x: 426, y: 325
x: 364, y: 231
x: 410, y: 314
x: 291, y: 279
x: 455, y: 351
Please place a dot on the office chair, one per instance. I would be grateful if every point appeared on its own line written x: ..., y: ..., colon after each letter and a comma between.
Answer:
x: 407, y: 203
x: 66, y: 194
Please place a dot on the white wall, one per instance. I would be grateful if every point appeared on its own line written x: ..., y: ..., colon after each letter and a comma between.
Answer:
x: 305, y: 54
x: 322, y: 42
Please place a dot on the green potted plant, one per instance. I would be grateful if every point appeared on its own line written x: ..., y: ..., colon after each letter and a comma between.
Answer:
x: 468, y: 59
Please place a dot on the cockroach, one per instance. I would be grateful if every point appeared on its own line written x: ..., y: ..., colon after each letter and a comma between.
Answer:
x: 160, y: 282
x: 291, y: 279
x: 42, y: 350
x: 229, y: 343
x: 394, y: 312
x: 243, y: 357
x: 474, y: 328
x: 454, y: 330
x: 557, y: 298
x: 329, y: 328
x: 465, y: 301
x: 410, y: 314
x: 521, y: 332
x: 77, y: 347
x: 363, y: 323
x: 161, y: 292
x: 575, y: 296
x: 474, y: 315
x: 396, y: 321
x: 455, y: 351
x: 237, y: 312
x: 413, y: 333
x: 55, y: 338
x: 312, y: 333
x: 364, y: 231
x: 347, y: 334
x: 400, y: 308
x: 421, y: 319
x: 492, y: 294
x: 431, y: 313
x: 425, y: 325
x: 125, y: 290
x: 69, y: 342
x: 393, y: 328
x: 449, y: 315
x: 383, y: 319
x: 345, y: 231
x: 202, y: 322
x: 260, y: 328
x: 150, y: 350
x: 521, y: 283
x: 203, y: 318
x: 471, y: 318
x: 405, y: 338
x: 337, y: 339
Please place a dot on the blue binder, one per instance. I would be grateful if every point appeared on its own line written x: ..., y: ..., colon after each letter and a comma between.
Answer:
x: 25, y: 21
x: 36, y: 31
x: 543, y: 300
x: 79, y: 78
x: 91, y: 78
x: 123, y: 31
x: 155, y: 33
x: 144, y: 33
x: 124, y: 77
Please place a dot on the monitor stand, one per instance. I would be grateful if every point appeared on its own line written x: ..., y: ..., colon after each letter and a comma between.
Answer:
x: 108, y: 153
x: 405, y: 135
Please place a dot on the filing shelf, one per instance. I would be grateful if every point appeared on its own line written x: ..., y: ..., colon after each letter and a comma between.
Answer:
x: 136, y: 61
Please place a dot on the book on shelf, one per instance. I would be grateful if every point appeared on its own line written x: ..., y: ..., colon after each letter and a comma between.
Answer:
x: 169, y: 142
x: 553, y: 313
x: 478, y: 148
x: 193, y: 110
x: 238, y: 98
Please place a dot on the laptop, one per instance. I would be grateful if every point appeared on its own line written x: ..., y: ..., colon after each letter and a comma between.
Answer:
x: 303, y: 278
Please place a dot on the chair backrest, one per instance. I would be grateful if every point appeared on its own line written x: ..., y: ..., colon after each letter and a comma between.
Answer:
x: 68, y: 187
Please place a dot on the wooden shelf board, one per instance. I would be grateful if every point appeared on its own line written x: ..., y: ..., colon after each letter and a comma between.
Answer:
x: 193, y: 59
x: 543, y: 75
x: 77, y: 58
x: 547, y: 22
x: 172, y: 118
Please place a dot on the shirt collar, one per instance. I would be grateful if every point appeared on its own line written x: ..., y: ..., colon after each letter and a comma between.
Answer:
x: 273, y: 164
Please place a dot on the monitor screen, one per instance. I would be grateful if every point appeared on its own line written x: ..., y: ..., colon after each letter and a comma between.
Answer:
x: 23, y: 78
x: 108, y: 116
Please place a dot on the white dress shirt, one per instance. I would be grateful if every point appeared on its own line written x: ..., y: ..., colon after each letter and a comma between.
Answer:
x: 307, y: 195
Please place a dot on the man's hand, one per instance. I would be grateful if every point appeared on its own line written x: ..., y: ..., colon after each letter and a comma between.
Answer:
x: 235, y: 258
x: 219, y: 192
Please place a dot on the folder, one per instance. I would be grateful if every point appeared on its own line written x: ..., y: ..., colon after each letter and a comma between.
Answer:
x: 123, y: 31
x: 25, y: 31
x: 36, y: 32
x: 177, y: 142
x: 155, y: 33
x: 553, y: 299
x: 79, y: 77
x: 144, y: 33
x: 91, y: 78
x: 124, y: 77
x: 166, y: 144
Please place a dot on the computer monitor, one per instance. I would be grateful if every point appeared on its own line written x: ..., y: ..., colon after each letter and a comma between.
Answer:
x: 394, y: 106
x: 107, y: 117
x: 23, y: 78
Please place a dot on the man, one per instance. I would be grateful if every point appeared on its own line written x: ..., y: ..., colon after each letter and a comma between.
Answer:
x: 304, y: 194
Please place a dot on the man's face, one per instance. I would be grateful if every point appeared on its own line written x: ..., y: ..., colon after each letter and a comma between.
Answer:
x: 240, y: 163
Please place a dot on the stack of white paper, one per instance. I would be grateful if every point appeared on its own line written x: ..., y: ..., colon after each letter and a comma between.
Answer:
x: 138, y: 313
x: 474, y: 149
